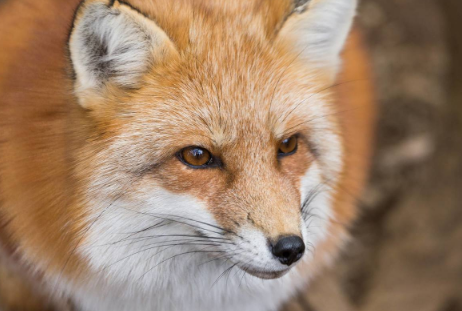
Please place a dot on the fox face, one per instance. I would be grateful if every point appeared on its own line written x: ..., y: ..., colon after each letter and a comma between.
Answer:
x: 207, y: 134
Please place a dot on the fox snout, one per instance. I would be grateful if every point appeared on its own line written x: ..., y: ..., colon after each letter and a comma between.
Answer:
x: 266, y: 215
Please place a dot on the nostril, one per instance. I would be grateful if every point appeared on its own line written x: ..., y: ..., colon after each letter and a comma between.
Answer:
x: 289, y: 249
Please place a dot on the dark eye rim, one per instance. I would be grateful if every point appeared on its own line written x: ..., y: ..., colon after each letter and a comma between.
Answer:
x: 212, y: 163
x: 282, y: 154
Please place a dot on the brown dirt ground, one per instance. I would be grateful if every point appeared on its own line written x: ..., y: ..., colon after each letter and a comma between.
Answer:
x: 407, y: 249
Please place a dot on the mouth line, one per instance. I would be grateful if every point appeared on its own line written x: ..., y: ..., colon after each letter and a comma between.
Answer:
x: 266, y: 275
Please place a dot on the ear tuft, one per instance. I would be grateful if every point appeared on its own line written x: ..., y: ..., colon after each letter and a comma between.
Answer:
x: 317, y: 30
x: 113, y: 43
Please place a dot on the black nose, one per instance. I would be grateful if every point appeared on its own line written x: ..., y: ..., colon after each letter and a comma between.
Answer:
x: 289, y: 249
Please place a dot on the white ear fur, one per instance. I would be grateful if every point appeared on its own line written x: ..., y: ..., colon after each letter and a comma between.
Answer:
x: 112, y: 42
x: 317, y: 30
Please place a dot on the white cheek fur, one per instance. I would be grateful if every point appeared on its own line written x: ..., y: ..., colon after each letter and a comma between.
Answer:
x: 316, y: 208
x: 128, y: 241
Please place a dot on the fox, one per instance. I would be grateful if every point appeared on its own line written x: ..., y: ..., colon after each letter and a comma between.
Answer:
x: 179, y: 155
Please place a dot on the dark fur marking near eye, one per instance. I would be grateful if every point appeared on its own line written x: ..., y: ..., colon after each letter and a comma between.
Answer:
x: 238, y: 225
x: 311, y: 146
x: 249, y: 218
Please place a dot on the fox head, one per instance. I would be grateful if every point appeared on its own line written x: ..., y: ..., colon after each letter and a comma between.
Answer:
x: 208, y: 132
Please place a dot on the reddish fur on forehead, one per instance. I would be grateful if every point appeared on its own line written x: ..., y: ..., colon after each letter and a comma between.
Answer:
x: 174, y: 17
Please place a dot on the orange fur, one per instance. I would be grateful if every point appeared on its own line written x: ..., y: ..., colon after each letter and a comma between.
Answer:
x: 50, y: 146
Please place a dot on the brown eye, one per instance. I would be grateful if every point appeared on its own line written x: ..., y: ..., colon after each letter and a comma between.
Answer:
x: 288, y: 146
x: 196, y: 157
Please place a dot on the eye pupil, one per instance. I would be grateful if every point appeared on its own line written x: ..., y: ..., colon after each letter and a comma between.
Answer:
x: 195, y: 156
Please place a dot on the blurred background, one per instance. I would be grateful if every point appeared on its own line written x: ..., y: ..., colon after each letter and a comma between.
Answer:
x: 406, y: 254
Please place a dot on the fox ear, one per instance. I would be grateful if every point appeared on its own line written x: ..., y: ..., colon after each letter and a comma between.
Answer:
x: 112, y: 43
x: 317, y: 29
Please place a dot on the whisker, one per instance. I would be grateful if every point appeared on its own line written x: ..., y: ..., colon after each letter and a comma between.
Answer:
x: 314, y: 192
x: 223, y: 273
x: 176, y: 240
x: 87, y: 229
x: 207, y: 224
x: 143, y: 238
x: 159, y: 252
x: 177, y: 221
x: 177, y: 255
x: 155, y: 226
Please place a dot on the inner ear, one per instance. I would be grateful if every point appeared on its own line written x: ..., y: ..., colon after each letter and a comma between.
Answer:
x: 300, y: 6
x: 316, y: 30
x: 113, y: 43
